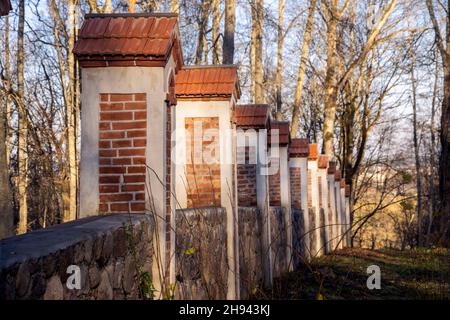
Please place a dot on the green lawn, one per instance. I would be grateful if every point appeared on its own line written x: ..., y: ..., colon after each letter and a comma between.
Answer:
x: 412, y: 274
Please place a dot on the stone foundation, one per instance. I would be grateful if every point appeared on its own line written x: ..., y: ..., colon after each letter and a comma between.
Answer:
x: 201, y: 254
x: 278, y: 241
x: 298, y: 240
x: 113, y: 254
x: 251, y: 270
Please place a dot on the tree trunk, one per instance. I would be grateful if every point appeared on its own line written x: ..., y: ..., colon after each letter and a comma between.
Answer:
x: 6, y: 209
x: 416, y: 153
x: 71, y: 141
x: 259, y: 75
x: 23, y: 125
x: 174, y: 6
x: 253, y: 51
x: 7, y: 82
x: 228, y: 39
x: 432, y: 198
x: 216, y: 31
x: 131, y: 6
x: 202, y: 23
x: 444, y: 161
x: 279, y: 75
x: 301, y: 69
x: 330, y: 85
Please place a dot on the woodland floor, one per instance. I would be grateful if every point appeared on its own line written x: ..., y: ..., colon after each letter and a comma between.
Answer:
x: 410, y: 274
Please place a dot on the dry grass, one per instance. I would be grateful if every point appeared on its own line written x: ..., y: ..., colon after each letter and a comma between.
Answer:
x: 412, y: 274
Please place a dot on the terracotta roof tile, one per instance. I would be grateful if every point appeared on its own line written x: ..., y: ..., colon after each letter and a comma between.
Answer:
x: 299, y: 148
x: 323, y: 162
x: 207, y: 81
x: 313, y: 151
x: 148, y: 35
x: 252, y: 115
x: 283, y: 131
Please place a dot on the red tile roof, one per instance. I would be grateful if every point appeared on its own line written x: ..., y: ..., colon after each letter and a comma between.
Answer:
x: 5, y: 7
x: 252, y: 115
x: 323, y: 162
x: 205, y: 82
x: 283, y: 132
x: 313, y: 151
x: 121, y: 36
x: 299, y: 148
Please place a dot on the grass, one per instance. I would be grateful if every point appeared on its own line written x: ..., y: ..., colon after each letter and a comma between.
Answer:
x: 411, y: 274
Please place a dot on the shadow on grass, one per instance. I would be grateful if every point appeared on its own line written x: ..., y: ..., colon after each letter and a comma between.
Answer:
x: 413, y: 274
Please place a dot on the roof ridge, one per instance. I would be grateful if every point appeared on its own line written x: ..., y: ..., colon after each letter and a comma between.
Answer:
x: 133, y: 15
x: 210, y: 66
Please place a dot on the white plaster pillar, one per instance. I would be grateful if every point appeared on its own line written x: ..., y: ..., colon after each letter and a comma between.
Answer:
x: 344, y: 214
x: 347, y: 214
x: 322, y: 173
x: 262, y: 199
x: 333, y: 221
x: 285, y: 195
x: 312, y: 170
x: 337, y: 189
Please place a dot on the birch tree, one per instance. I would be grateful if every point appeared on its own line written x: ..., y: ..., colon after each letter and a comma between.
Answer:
x: 22, y: 154
x: 307, y: 36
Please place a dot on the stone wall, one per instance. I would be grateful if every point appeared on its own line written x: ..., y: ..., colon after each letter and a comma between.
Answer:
x: 251, y: 270
x: 298, y: 241
x: 312, y: 232
x: 113, y: 254
x: 201, y: 254
x: 278, y: 240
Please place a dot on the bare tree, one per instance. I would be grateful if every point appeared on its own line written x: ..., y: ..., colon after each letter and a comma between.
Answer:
x: 258, y: 75
x: 22, y: 154
x: 307, y: 36
x: 444, y: 161
x: 216, y: 45
x: 230, y: 25
x: 202, y: 26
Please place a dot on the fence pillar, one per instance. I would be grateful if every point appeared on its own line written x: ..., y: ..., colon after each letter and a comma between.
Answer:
x: 323, y: 203
x: 313, y: 200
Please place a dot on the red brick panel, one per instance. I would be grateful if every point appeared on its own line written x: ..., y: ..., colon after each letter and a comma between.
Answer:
x: 296, y: 192
x: 122, y: 143
x: 246, y: 177
x: 274, y: 190
x: 203, y: 171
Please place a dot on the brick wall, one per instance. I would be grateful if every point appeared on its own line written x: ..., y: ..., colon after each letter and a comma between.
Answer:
x: 203, y: 175
x: 246, y: 177
x: 296, y: 195
x: 274, y: 190
x: 122, y: 143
